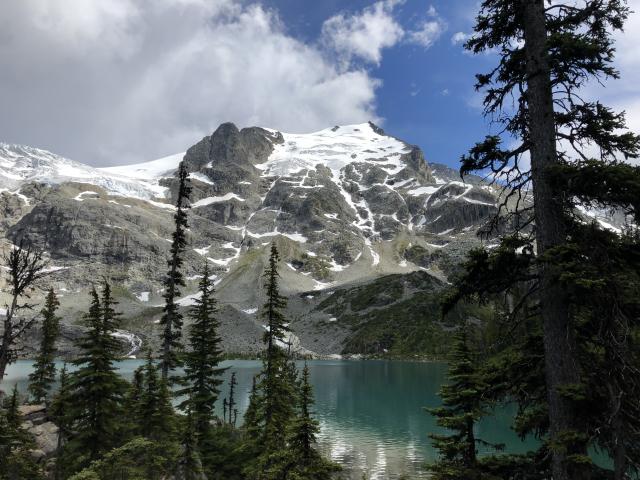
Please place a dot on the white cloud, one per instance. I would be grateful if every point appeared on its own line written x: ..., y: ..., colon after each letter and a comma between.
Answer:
x: 459, y: 37
x: 129, y: 80
x: 429, y: 30
x: 427, y: 33
x: 365, y: 34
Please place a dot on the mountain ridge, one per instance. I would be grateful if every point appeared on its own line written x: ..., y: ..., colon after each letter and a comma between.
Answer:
x: 346, y: 205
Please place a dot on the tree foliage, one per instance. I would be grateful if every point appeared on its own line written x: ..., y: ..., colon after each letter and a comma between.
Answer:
x: 43, y: 376
x: 24, y: 267
x: 96, y: 390
x: 578, y: 279
x: 171, y: 320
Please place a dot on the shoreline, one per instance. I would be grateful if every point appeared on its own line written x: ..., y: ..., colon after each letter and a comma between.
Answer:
x: 334, y: 357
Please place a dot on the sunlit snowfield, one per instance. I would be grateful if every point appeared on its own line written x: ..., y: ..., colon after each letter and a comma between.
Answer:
x: 371, y: 412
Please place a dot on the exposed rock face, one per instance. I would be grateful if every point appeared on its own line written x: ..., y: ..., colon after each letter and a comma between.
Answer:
x: 43, y: 430
x: 345, y: 205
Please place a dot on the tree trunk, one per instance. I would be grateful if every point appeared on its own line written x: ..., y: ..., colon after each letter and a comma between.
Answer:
x: 561, y: 364
x: 7, y: 337
x: 4, y: 349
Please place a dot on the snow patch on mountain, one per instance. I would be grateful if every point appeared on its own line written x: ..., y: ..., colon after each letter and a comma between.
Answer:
x: 20, y: 164
x: 334, y: 148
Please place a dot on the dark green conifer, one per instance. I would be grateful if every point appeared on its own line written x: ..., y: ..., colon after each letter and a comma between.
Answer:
x: 133, y: 403
x: 232, y: 402
x: 463, y: 406
x: 12, y: 413
x: 306, y: 462
x: 251, y: 424
x: 156, y: 420
x: 96, y: 390
x: 273, y: 408
x: 547, y: 54
x: 43, y: 376
x: 190, y: 463
x: 16, y: 461
x: 60, y: 412
x: 202, y: 373
x: 171, y: 321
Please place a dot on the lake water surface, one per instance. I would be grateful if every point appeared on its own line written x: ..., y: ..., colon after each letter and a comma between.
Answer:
x: 371, y: 412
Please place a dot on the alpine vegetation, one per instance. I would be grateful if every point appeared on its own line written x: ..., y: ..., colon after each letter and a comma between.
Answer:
x: 329, y: 305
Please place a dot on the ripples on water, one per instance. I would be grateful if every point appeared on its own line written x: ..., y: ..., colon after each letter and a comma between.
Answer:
x: 371, y: 413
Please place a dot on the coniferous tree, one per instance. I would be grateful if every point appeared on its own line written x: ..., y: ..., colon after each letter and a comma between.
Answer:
x: 171, y: 321
x: 251, y: 424
x: 6, y: 442
x: 60, y: 412
x: 273, y: 409
x: 463, y: 406
x: 548, y: 53
x: 232, y: 403
x: 96, y: 389
x: 11, y: 404
x: 156, y: 420
x: 190, y: 463
x: 138, y: 459
x: 276, y: 389
x: 16, y: 461
x: 306, y: 462
x: 133, y: 403
x: 43, y: 376
x: 202, y: 374
x: 24, y: 267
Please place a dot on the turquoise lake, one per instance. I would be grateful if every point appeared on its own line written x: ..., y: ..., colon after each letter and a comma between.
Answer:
x: 371, y: 412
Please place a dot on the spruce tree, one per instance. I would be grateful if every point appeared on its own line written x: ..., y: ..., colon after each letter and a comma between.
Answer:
x: 12, y: 413
x: 273, y: 408
x: 463, y: 406
x: 232, y: 402
x: 96, y: 389
x: 547, y: 54
x: 156, y: 416
x: 16, y: 461
x: 41, y: 379
x: 202, y: 373
x: 306, y: 462
x: 251, y: 425
x: 190, y: 462
x: 133, y: 403
x: 61, y: 411
x: 171, y: 321
x: 275, y: 384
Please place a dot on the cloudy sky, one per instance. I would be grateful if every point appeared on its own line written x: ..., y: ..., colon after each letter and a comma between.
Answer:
x: 122, y: 81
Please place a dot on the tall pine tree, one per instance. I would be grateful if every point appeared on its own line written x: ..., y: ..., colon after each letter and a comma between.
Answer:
x: 96, y: 389
x: 547, y: 54
x: 273, y: 410
x: 202, y: 373
x: 156, y: 419
x: 171, y: 321
x: 463, y: 405
x: 232, y: 401
x: 61, y: 411
x: 16, y: 444
x: 43, y: 376
x: 306, y: 462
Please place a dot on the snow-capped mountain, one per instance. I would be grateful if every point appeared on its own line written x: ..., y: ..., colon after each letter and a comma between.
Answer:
x: 20, y: 165
x: 346, y: 205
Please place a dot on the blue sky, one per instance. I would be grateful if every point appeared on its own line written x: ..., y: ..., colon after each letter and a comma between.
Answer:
x: 126, y: 81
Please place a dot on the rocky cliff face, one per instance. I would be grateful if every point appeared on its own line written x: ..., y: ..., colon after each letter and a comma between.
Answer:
x: 346, y: 205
